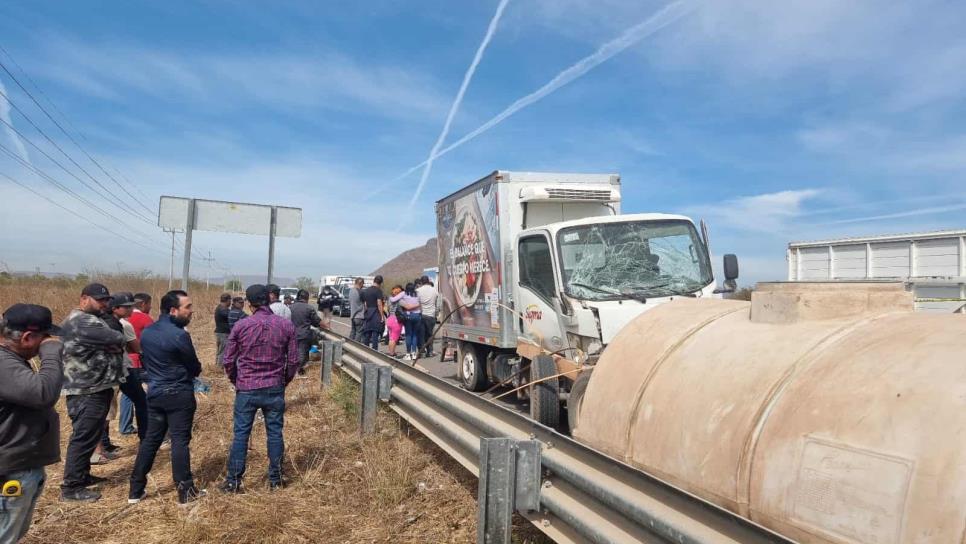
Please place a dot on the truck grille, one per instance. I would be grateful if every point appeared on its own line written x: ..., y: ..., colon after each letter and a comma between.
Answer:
x: 580, y: 194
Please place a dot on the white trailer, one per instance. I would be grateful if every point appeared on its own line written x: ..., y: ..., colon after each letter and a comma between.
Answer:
x: 539, y: 271
x: 932, y: 263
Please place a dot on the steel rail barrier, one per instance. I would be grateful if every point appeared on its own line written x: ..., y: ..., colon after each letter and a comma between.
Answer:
x: 585, y: 495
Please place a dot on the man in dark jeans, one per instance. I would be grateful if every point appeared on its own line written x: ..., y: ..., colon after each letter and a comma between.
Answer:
x: 122, y: 306
x: 374, y: 314
x: 93, y: 366
x: 261, y: 358
x: 304, y: 317
x: 170, y: 365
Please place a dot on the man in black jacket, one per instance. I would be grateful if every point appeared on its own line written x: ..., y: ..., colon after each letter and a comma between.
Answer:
x: 304, y: 317
x: 29, y: 425
x: 221, y: 326
x: 170, y: 365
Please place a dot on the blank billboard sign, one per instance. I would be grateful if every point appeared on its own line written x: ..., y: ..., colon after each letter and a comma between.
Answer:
x: 235, y: 217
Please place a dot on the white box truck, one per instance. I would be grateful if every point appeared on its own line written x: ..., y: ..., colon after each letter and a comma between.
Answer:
x: 538, y: 271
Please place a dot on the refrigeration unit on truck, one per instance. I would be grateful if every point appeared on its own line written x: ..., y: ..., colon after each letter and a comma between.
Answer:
x: 539, y: 271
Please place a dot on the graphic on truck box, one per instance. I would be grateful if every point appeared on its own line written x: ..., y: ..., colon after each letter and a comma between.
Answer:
x: 469, y: 261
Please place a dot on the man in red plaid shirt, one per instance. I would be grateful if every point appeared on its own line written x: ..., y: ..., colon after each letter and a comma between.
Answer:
x: 261, y: 357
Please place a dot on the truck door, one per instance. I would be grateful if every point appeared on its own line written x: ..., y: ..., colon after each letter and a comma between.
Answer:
x: 537, y: 289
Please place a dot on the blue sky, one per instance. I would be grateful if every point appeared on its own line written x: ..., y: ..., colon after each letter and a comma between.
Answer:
x: 774, y: 121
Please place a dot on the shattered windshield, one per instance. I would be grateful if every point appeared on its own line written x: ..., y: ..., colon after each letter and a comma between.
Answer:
x: 635, y: 259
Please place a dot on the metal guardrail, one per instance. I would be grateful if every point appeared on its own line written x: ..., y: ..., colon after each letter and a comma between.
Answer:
x: 584, y: 495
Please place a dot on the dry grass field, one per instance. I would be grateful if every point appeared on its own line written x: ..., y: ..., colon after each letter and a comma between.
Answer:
x: 393, y: 487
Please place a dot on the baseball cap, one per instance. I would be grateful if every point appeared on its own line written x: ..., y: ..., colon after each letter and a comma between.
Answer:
x: 30, y: 317
x: 96, y: 291
x: 257, y: 294
x: 122, y: 299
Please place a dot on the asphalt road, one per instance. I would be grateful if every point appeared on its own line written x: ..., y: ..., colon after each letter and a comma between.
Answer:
x: 443, y: 369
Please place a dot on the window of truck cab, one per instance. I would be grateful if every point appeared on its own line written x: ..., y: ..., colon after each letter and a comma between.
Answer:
x: 536, y: 266
x: 651, y: 258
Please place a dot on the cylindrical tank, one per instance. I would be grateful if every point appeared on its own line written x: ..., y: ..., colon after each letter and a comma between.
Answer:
x: 824, y: 424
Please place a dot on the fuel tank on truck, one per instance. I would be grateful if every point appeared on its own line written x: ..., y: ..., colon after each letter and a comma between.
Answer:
x: 830, y: 413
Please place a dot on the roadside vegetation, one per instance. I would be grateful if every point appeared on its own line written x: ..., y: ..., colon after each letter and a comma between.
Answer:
x: 395, y: 486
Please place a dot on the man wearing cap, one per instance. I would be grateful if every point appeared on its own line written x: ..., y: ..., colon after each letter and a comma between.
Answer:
x: 170, y: 367
x: 122, y: 307
x: 276, y: 304
x: 139, y: 319
x: 261, y: 358
x: 29, y: 425
x: 93, y: 366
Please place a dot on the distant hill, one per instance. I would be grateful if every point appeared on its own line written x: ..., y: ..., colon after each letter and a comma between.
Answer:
x: 410, y: 263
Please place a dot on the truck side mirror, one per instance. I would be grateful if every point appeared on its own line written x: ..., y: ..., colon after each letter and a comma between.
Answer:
x: 730, y: 273
x: 731, y: 267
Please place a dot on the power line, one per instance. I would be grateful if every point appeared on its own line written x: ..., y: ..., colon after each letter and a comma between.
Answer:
x: 71, y: 174
x: 62, y: 129
x: 117, y: 201
x: 67, y: 190
x: 72, y: 212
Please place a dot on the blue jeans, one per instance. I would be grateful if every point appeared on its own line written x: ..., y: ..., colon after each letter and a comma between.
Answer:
x: 271, y: 401
x: 15, y: 512
x: 414, y: 325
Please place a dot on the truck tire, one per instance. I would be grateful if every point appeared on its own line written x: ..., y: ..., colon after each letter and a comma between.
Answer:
x: 544, y: 395
x: 576, y: 397
x: 471, y: 369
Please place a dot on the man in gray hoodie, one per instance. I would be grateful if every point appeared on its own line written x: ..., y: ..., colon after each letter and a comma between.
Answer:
x: 29, y: 425
x: 93, y: 367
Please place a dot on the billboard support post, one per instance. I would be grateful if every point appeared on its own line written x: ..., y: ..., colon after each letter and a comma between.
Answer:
x: 271, y: 243
x: 190, y: 214
x: 189, y: 228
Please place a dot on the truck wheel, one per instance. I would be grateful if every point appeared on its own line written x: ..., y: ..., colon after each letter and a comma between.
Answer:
x: 472, y: 372
x: 544, y: 395
x: 576, y: 397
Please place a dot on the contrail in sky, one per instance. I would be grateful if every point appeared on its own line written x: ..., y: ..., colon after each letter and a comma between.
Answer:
x: 5, y: 115
x: 667, y: 15
x: 467, y: 77
x: 897, y: 215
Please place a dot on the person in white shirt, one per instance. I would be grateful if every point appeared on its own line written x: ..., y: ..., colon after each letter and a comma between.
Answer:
x: 275, y: 303
x: 429, y: 304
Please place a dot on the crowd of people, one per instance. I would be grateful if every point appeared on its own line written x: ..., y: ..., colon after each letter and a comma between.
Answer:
x: 110, y: 343
x: 411, y: 310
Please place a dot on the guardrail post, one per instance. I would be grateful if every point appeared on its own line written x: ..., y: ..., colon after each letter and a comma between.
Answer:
x: 509, y: 480
x: 326, y: 373
x: 385, y: 382
x: 370, y: 392
x: 337, y: 351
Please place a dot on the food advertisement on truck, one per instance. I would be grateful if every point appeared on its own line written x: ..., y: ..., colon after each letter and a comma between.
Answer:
x: 469, y: 272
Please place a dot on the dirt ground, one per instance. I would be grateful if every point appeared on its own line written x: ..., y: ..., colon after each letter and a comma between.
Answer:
x: 395, y: 486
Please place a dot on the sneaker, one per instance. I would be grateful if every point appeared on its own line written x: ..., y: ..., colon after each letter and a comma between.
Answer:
x: 99, y: 459
x: 80, y: 494
x: 112, y: 448
x: 276, y: 486
x: 135, y: 497
x: 230, y: 487
x: 93, y: 480
x: 190, y: 493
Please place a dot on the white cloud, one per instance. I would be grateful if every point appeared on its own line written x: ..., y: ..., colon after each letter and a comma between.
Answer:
x: 326, y: 80
x: 768, y: 213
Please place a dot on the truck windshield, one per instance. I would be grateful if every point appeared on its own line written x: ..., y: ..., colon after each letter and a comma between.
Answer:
x: 633, y: 259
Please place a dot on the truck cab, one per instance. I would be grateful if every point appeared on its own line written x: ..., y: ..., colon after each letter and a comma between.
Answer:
x: 581, y: 281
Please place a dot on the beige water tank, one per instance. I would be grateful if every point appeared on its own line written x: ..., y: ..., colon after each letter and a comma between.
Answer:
x: 828, y: 413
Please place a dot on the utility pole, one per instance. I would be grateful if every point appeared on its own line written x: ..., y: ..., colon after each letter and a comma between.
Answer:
x: 171, y: 272
x: 208, y: 260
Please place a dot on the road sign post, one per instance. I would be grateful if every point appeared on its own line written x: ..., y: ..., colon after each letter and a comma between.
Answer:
x: 190, y: 214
